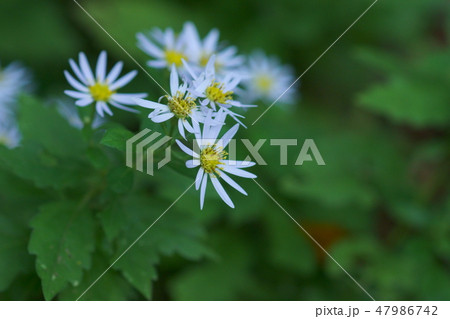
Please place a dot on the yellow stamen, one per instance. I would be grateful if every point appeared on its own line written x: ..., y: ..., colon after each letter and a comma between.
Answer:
x: 211, y: 157
x: 101, y: 92
x: 181, y: 105
x: 204, y: 59
x: 175, y: 57
x: 264, y: 83
x: 216, y: 93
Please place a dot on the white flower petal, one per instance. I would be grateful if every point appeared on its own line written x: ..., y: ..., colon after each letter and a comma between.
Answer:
x: 174, y: 81
x: 75, y: 84
x: 115, y: 72
x: 210, y: 67
x: 157, y: 64
x: 192, y: 163
x: 198, y: 178
x: 232, y: 183
x: 99, y: 109
x: 123, y: 107
x: 228, y: 136
x: 105, y: 107
x: 188, y: 126
x: 237, y: 171
x: 100, y: 71
x: 148, y: 47
x: 86, y: 69
x: 127, y: 98
x: 77, y: 95
x: 77, y: 71
x: 149, y: 104
x: 187, y: 150
x: 238, y: 164
x: 221, y: 191
x: 181, y: 128
x: 210, y: 42
x: 84, y: 102
x: 123, y: 80
x: 203, y: 190
x: 189, y: 69
x: 162, y: 118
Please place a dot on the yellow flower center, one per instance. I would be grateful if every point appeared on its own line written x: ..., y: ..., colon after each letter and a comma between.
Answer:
x: 216, y: 93
x: 181, y: 105
x: 264, y: 83
x: 210, y: 157
x: 174, y: 57
x: 4, y: 140
x: 204, y: 59
x: 101, y: 92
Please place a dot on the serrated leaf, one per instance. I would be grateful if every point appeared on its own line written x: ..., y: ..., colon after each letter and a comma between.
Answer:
x: 404, y: 101
x: 63, y: 240
x: 177, y: 232
x: 113, y: 220
x: 110, y: 287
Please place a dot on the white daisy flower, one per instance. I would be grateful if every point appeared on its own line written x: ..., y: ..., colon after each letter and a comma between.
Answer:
x: 164, y: 46
x: 70, y: 113
x: 267, y: 79
x: 9, y: 133
x: 210, y: 156
x: 13, y: 79
x: 216, y: 94
x: 200, y: 51
x: 101, y: 88
x: 180, y: 104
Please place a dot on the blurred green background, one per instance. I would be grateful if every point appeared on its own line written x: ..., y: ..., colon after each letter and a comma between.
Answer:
x: 377, y: 106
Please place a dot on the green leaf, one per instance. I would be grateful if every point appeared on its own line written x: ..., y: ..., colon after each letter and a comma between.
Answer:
x: 176, y: 232
x: 121, y: 179
x: 32, y: 162
x: 223, y: 279
x: 63, y: 240
x: 113, y: 220
x: 139, y: 267
x: 116, y: 137
x: 14, y: 257
x: 47, y: 127
x: 110, y: 287
x: 404, y: 101
x: 50, y: 40
x: 288, y: 246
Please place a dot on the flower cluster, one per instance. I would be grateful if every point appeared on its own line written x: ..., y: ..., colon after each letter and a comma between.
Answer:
x: 14, y: 78
x: 209, y: 83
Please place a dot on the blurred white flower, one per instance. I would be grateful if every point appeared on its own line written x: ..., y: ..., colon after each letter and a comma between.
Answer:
x: 216, y: 93
x: 70, y: 113
x: 200, y: 51
x: 101, y: 88
x: 210, y: 156
x: 266, y: 79
x: 9, y: 133
x: 180, y: 104
x: 14, y: 78
x: 164, y: 46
